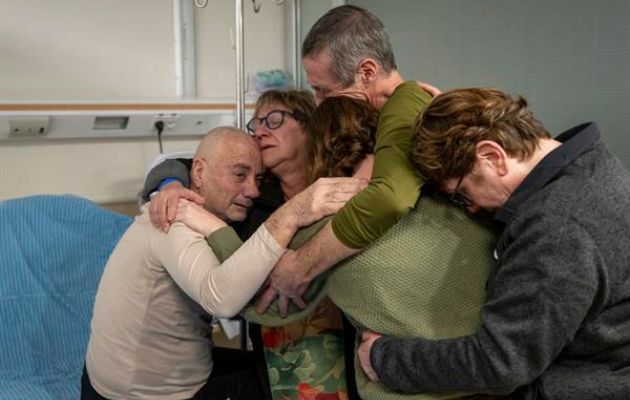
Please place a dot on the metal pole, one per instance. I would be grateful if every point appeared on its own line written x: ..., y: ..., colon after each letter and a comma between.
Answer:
x: 240, y: 105
x: 297, y: 40
x: 177, y: 44
x: 240, y: 70
x: 184, y: 46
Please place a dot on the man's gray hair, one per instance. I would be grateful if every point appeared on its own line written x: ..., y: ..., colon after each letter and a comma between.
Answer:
x: 351, y: 34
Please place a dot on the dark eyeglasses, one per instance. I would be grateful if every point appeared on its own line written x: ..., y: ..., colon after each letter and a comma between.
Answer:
x: 273, y: 120
x: 459, y: 199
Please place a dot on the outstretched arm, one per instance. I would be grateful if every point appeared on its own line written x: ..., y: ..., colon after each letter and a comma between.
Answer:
x: 392, y: 192
x: 322, y: 198
x: 537, y: 302
x: 290, y: 278
x: 220, y: 288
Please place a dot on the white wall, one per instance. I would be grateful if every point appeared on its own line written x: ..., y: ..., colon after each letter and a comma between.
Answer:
x: 120, y: 49
x: 113, y: 51
x: 85, y: 49
x: 103, y: 171
x: 266, y: 38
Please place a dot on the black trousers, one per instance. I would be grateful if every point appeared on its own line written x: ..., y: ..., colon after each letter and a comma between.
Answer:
x: 255, y: 336
x: 349, y: 350
x: 87, y: 390
x: 234, y: 376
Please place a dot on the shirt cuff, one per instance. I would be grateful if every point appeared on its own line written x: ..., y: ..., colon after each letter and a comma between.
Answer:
x: 167, y: 181
x: 224, y: 242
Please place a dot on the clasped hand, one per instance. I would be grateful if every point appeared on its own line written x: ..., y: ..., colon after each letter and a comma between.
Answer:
x: 324, y: 197
x: 163, y: 206
x: 290, y: 276
x: 363, y: 353
x: 286, y: 283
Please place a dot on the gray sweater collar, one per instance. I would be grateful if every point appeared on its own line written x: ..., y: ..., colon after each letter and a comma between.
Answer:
x: 575, y: 142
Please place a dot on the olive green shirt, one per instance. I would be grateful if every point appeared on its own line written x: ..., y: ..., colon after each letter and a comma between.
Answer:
x: 395, y: 184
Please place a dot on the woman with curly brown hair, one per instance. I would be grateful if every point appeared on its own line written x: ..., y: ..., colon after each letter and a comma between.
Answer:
x: 425, y: 277
x: 341, y: 134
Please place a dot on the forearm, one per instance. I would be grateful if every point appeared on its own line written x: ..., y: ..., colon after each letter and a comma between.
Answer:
x: 418, y: 366
x: 220, y: 288
x: 322, y: 198
x: 395, y: 184
x: 379, y: 207
x: 231, y: 286
x: 282, y: 224
x: 224, y: 242
x: 536, y: 304
x: 322, y: 252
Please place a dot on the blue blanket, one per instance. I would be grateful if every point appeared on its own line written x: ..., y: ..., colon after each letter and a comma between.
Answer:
x: 52, y: 252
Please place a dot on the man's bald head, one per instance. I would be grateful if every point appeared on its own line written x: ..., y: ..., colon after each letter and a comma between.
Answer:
x: 226, y: 170
x: 220, y: 137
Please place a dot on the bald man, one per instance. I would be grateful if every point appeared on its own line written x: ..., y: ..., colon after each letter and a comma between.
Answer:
x: 150, y: 335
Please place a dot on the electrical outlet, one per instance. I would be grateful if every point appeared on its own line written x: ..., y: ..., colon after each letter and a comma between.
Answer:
x: 29, y: 126
x: 170, y: 120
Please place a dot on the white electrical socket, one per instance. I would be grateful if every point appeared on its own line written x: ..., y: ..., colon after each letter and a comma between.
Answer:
x: 29, y: 126
x: 169, y: 118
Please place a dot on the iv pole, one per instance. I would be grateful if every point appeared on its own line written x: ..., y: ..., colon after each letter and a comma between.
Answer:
x: 240, y: 55
x: 240, y: 70
x: 297, y: 26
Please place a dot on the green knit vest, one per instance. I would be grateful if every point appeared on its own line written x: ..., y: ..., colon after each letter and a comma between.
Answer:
x: 425, y: 277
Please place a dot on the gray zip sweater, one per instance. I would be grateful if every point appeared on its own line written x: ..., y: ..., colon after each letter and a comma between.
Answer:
x: 556, y: 322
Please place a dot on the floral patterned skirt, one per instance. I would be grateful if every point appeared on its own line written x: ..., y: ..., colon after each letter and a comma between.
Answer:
x: 305, y: 359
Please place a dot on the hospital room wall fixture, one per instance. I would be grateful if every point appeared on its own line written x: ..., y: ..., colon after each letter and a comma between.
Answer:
x: 79, y: 121
x: 185, y: 116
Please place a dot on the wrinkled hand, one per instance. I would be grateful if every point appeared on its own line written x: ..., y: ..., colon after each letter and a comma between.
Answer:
x: 288, y: 277
x: 163, y: 205
x: 363, y: 353
x: 432, y: 90
x: 324, y: 197
x: 197, y: 218
x: 268, y: 297
x: 288, y: 281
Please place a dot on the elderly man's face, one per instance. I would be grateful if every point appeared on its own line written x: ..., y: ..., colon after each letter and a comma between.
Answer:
x: 319, y: 76
x: 232, y: 180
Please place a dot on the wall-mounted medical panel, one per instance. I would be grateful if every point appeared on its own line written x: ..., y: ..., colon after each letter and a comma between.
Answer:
x: 102, y: 124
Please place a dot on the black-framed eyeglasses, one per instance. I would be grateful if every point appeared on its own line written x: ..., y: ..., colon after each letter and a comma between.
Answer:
x: 273, y: 120
x: 459, y: 199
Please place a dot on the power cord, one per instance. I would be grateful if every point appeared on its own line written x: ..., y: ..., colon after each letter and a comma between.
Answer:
x: 159, y: 127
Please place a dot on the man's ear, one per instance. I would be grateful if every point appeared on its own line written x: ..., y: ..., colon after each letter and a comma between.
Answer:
x: 490, y: 153
x: 198, y: 171
x: 368, y: 70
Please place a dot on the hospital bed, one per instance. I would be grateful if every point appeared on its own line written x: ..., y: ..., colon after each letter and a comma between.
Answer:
x: 52, y: 253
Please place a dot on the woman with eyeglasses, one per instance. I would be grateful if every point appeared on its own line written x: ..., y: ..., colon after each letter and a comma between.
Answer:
x: 279, y: 126
x: 282, y: 140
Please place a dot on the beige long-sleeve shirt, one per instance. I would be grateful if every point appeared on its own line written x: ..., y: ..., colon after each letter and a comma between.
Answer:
x: 150, y: 337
